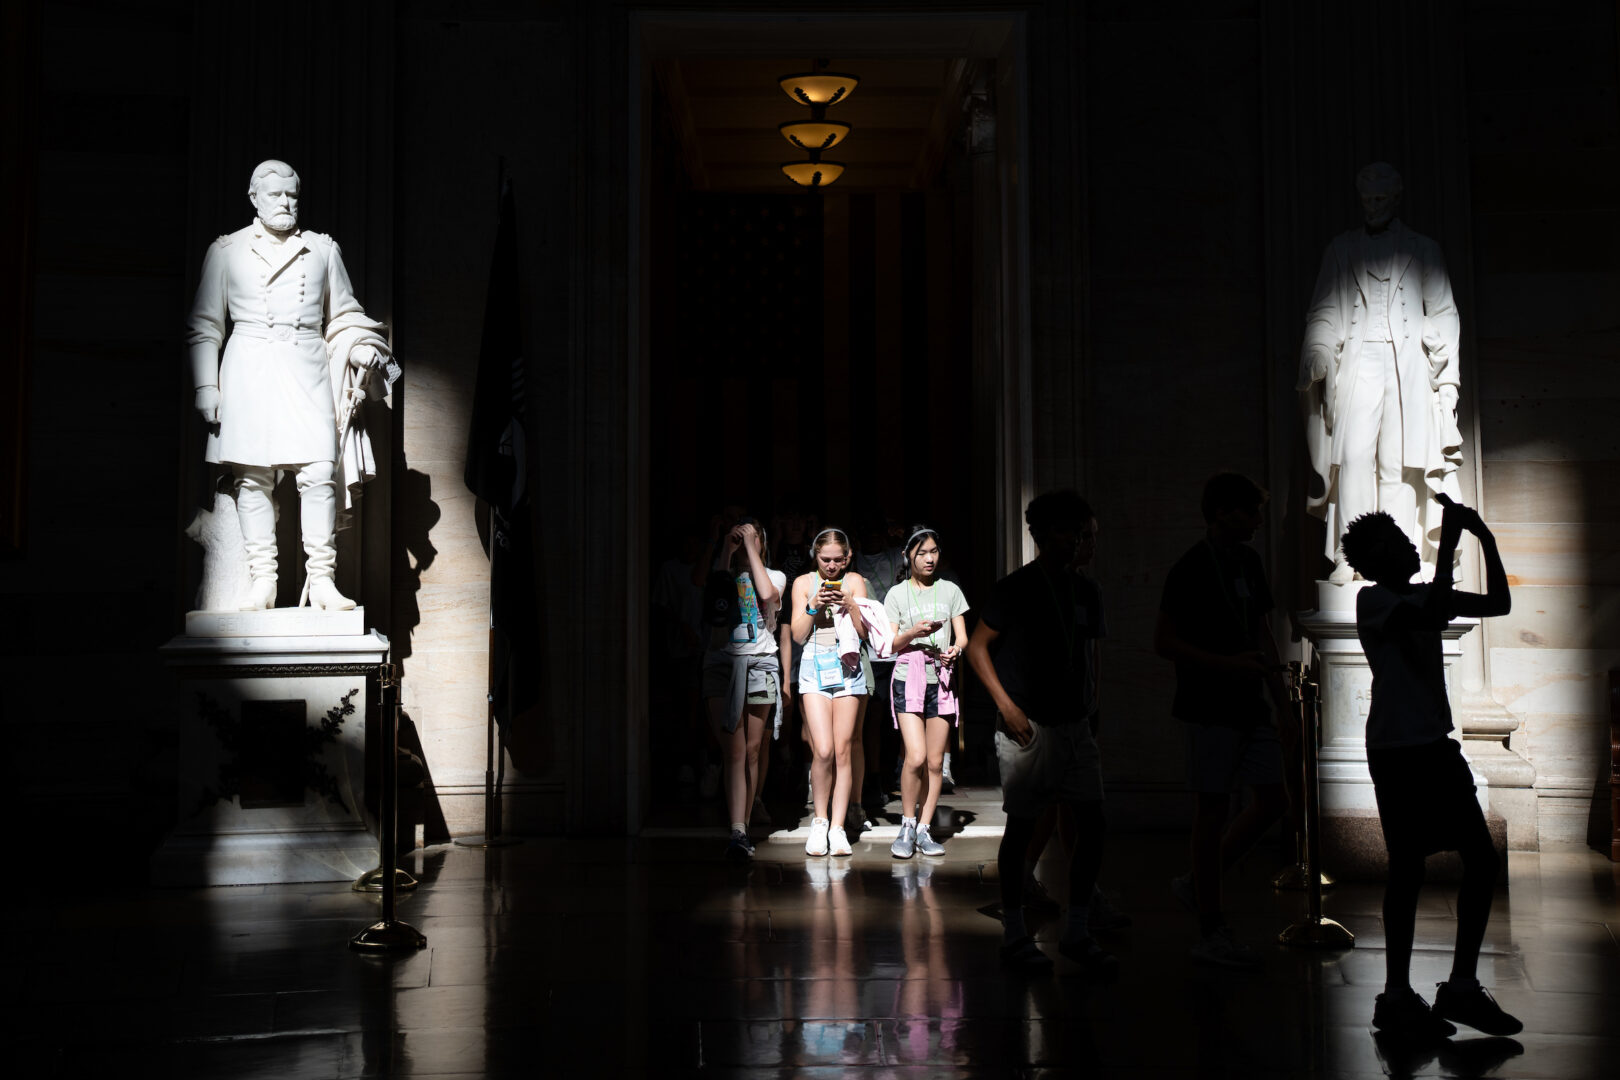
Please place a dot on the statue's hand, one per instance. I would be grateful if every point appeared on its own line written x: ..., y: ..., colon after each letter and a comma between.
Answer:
x: 207, y: 404
x: 365, y: 358
x: 1448, y: 399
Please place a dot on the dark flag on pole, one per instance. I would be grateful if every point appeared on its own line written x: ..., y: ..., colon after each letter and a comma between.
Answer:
x: 497, y: 473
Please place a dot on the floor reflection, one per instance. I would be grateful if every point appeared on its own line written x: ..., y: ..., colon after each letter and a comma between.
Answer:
x: 653, y: 956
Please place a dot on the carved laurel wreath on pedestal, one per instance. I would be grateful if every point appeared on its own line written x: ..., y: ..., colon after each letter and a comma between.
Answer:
x: 235, y: 740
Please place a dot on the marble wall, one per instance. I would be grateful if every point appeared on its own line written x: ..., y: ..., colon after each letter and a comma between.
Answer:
x: 510, y: 74
x: 1544, y: 147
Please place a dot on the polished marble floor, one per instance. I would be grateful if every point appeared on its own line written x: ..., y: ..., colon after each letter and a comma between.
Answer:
x: 602, y: 958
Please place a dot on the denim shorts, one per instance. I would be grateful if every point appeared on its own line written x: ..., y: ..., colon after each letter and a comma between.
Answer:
x: 854, y: 681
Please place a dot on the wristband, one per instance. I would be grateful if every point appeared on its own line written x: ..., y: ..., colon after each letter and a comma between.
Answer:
x: 808, y: 610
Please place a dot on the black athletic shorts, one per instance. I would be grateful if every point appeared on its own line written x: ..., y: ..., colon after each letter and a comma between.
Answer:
x: 1426, y: 800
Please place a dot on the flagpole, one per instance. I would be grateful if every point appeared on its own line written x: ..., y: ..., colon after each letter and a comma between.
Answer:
x: 491, y: 836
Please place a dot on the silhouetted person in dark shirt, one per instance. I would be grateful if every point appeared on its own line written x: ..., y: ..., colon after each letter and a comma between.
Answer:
x: 1426, y: 800
x: 1029, y: 650
x: 1214, y: 622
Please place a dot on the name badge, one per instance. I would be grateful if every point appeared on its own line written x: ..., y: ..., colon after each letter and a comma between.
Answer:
x: 829, y: 669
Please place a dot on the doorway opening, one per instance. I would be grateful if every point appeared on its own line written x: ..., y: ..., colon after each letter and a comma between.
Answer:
x: 854, y: 356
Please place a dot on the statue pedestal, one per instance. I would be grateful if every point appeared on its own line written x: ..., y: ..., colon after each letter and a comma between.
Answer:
x: 272, y: 748
x: 1352, y: 839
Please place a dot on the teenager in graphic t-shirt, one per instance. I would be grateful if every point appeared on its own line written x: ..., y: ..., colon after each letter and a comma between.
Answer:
x: 929, y: 619
x: 1214, y: 622
x: 1028, y: 651
x: 742, y: 675
x: 1425, y: 792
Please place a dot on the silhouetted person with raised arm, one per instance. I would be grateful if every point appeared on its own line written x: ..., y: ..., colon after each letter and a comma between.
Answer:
x: 1426, y: 800
x: 1215, y: 623
x: 1029, y: 650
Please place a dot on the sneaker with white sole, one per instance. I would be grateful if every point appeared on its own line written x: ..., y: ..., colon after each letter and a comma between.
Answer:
x: 905, y: 845
x: 1103, y: 915
x: 816, y: 842
x: 1221, y: 949
x: 927, y: 844
x: 738, y: 849
x: 838, y: 842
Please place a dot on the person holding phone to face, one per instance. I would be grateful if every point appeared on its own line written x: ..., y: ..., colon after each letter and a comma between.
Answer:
x: 829, y: 692
x: 928, y: 615
x: 742, y: 674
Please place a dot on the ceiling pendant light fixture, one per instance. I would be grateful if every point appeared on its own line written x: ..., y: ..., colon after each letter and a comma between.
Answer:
x: 814, y: 173
x: 817, y: 89
x: 814, y: 134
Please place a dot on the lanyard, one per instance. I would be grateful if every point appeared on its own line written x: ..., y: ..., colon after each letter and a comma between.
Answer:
x: 916, y: 605
x: 1241, y: 607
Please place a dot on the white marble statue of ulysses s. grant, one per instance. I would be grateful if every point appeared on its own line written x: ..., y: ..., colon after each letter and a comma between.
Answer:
x: 1379, y: 375
x: 298, y: 355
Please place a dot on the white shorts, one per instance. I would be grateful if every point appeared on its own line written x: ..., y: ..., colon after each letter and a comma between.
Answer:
x: 1059, y: 764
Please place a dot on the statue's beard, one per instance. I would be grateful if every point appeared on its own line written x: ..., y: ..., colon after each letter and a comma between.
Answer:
x: 282, y: 222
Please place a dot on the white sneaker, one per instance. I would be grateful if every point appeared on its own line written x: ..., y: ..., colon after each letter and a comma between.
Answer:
x: 816, y: 842
x: 906, y: 843
x: 1223, y: 950
x: 927, y: 844
x: 838, y: 841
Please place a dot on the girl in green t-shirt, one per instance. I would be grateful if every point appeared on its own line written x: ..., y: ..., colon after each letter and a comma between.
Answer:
x: 927, y: 614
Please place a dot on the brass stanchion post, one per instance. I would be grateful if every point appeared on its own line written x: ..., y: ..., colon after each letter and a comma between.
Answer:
x: 1316, y: 931
x: 390, y: 934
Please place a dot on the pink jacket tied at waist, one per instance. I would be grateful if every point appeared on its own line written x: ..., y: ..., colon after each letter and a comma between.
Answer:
x: 916, y: 662
x: 879, y: 634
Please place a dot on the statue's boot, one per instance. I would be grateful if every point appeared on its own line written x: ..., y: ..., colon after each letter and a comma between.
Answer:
x: 256, y: 512
x: 317, y: 506
x: 261, y: 595
x: 1342, y: 573
x: 325, y: 596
